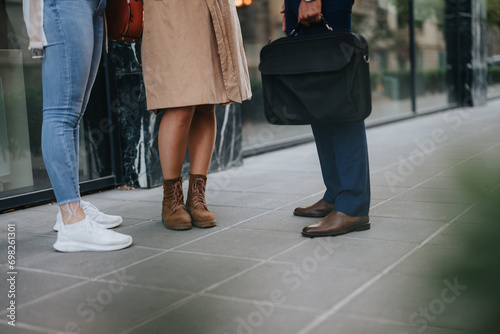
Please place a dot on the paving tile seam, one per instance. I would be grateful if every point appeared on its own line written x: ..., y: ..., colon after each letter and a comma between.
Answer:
x: 27, y: 228
x: 135, y: 218
x: 31, y: 257
x: 433, y: 177
x: 354, y: 316
x: 347, y: 236
x: 255, y: 207
x: 202, y: 237
x: 163, y: 249
x: 284, y: 192
x: 283, y: 262
x: 260, y: 229
x: 23, y: 325
x: 408, y: 217
x: 266, y: 229
x: 351, y: 236
x: 444, y: 146
x: 137, y: 224
x: 184, y: 301
x: 42, y: 271
x: 436, y: 277
x: 385, y: 321
x: 43, y: 235
x: 346, y: 300
x: 279, y: 261
x: 146, y: 287
x: 257, y: 301
x: 345, y: 269
x: 171, y: 249
x: 162, y: 312
x: 269, y: 260
x: 51, y: 294
x: 220, y: 255
x: 87, y: 280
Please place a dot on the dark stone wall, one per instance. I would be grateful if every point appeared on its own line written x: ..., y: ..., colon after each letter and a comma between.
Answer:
x: 465, y: 33
x: 138, y: 127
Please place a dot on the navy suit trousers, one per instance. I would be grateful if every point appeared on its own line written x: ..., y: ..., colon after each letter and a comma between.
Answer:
x: 342, y: 147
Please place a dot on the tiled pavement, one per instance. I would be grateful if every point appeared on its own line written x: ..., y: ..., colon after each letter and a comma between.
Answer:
x: 254, y: 272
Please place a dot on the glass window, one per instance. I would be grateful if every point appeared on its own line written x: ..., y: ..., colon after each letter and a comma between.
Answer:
x: 384, y: 23
x: 430, y: 45
x: 261, y: 22
x: 493, y: 48
x: 21, y: 164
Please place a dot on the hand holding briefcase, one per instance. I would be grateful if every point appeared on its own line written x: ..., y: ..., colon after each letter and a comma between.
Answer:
x: 316, y: 78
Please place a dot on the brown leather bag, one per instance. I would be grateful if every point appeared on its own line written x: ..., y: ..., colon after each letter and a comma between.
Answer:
x: 125, y: 20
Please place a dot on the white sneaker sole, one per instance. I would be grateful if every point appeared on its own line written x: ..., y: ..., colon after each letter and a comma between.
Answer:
x: 107, y: 226
x: 73, y: 246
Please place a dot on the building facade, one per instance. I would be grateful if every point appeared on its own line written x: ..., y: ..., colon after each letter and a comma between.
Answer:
x: 426, y: 55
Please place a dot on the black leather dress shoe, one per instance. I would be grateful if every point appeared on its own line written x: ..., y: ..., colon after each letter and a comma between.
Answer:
x: 319, y: 209
x: 336, y: 223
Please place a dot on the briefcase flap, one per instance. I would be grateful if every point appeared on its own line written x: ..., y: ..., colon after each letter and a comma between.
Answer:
x: 309, y: 54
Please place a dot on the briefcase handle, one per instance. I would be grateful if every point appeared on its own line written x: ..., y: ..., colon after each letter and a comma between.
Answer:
x: 299, y: 26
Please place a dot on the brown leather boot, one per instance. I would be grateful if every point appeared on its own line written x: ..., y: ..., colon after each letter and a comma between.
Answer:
x: 173, y: 211
x: 196, y: 204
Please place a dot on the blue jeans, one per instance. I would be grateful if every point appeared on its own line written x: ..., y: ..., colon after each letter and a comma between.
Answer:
x: 342, y: 147
x: 75, y: 33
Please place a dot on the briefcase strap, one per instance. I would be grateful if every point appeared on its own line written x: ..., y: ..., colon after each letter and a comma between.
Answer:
x: 299, y: 26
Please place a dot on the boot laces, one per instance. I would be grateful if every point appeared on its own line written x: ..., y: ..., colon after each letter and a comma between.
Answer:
x: 199, y: 193
x: 178, y: 199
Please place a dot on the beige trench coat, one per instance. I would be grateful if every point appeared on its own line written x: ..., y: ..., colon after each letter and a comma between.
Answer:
x: 192, y: 54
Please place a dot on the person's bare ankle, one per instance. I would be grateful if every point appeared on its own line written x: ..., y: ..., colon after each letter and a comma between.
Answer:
x: 72, y: 213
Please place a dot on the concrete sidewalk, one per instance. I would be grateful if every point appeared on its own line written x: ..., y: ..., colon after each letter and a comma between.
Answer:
x: 254, y: 272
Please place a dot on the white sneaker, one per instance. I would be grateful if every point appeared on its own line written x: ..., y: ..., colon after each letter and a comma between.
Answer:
x: 104, y: 220
x: 87, y: 235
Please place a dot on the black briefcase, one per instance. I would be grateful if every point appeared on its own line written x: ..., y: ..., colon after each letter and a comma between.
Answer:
x: 316, y: 78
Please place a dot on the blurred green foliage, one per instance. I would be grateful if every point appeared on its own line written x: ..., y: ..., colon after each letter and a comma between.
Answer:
x: 480, y: 267
x: 493, y: 16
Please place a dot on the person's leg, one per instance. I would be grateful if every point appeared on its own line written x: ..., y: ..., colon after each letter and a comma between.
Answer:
x: 341, y: 147
x: 201, y: 139
x: 326, y: 153
x: 104, y: 220
x: 325, y: 145
x: 352, y: 202
x: 65, y: 78
x: 98, y: 45
x: 173, y: 137
x: 65, y: 72
x: 200, y: 146
x: 352, y: 168
x: 343, y: 156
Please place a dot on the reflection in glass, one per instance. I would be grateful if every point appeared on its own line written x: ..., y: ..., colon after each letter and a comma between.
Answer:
x: 431, y: 88
x: 493, y: 48
x: 21, y: 164
x: 385, y: 24
x: 16, y: 148
x: 260, y: 23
